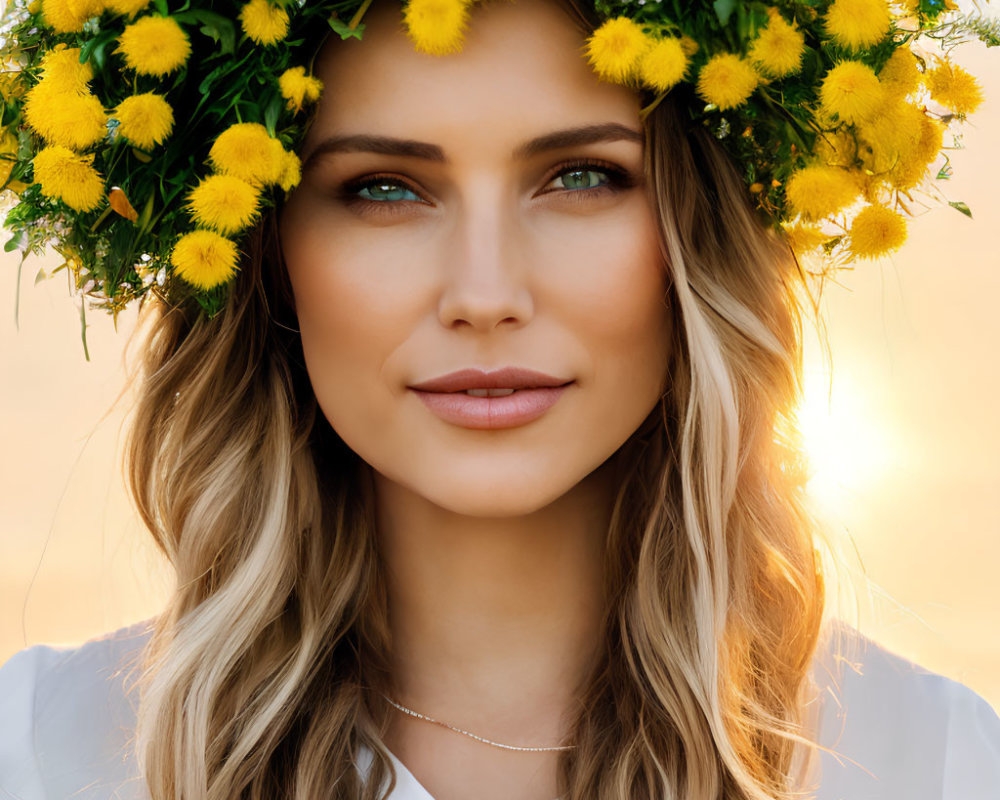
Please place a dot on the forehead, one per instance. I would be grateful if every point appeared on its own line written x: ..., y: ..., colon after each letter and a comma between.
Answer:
x: 521, y: 66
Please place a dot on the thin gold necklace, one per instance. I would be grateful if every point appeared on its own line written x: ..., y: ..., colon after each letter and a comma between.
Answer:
x: 412, y: 713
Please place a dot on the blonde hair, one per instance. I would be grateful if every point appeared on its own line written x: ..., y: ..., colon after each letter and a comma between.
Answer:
x: 258, y: 680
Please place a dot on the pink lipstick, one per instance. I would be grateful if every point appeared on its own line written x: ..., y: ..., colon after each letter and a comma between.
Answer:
x: 504, y: 398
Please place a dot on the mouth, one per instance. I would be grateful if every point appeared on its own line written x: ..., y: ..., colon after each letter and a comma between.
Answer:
x: 492, y: 408
x: 496, y: 382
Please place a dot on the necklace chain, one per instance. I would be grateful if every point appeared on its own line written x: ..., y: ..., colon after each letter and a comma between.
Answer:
x: 412, y: 713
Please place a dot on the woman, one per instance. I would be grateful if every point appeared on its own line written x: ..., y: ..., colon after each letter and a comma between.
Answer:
x: 607, y: 578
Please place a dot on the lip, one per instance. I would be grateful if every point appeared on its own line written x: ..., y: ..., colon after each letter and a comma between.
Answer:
x: 505, y: 378
x: 535, y: 393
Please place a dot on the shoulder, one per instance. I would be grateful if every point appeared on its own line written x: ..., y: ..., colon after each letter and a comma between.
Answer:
x: 896, y: 729
x: 68, y: 717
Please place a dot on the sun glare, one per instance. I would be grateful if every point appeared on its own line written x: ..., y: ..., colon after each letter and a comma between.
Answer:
x: 848, y: 446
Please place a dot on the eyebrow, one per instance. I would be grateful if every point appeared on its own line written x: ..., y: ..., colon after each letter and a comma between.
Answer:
x: 386, y: 145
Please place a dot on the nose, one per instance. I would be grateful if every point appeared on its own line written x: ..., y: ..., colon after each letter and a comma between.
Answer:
x: 487, y: 268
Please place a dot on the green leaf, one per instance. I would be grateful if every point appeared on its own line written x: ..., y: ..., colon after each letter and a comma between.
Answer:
x: 272, y: 112
x: 341, y: 28
x: 960, y: 206
x: 724, y: 10
x: 15, y: 242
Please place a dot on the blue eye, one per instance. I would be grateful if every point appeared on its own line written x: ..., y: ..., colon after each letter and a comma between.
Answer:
x: 582, y: 179
x: 384, y: 191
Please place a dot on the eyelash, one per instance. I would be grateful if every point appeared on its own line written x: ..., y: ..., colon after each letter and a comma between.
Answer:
x: 618, y: 180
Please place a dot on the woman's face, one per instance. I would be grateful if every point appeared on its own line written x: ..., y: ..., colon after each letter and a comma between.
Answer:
x: 477, y: 211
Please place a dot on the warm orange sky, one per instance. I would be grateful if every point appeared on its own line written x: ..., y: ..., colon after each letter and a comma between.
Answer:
x: 906, y: 454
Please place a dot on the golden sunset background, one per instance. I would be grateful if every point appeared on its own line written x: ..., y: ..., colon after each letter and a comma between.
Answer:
x: 904, y: 443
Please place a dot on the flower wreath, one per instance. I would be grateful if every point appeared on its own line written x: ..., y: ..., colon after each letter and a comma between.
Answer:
x: 836, y: 113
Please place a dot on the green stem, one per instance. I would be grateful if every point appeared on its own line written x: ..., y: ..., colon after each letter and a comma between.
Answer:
x: 646, y: 111
x: 356, y: 19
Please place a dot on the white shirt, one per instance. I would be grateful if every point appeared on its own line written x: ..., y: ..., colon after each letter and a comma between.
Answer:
x: 899, y: 731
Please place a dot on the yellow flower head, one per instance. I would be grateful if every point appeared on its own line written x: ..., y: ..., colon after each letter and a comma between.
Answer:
x: 128, y: 8
x: 204, y: 259
x: 852, y: 92
x: 298, y: 88
x: 727, y: 81
x: 779, y: 48
x: 76, y: 121
x: 145, y: 119
x: 837, y: 148
x: 154, y: 45
x: 858, y: 23
x: 291, y: 173
x: 69, y: 177
x: 64, y: 17
x: 663, y: 65
x: 876, y: 230
x: 246, y: 151
x: 224, y: 203
x: 437, y: 27
x: 909, y: 173
x: 805, y: 238
x: 954, y: 88
x: 900, y: 76
x: 616, y: 48
x: 819, y: 191
x: 263, y: 22
x: 892, y: 137
x: 62, y: 70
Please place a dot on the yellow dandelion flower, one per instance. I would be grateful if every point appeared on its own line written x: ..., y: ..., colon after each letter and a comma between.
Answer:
x: 291, y: 173
x: 891, y: 137
x: 436, y: 27
x: 204, y: 259
x: 727, y: 81
x: 298, y: 88
x: 224, y: 203
x: 69, y: 177
x: 58, y: 15
x: 805, y: 238
x: 85, y: 9
x: 837, y: 148
x: 263, y: 22
x: 246, y: 151
x: 616, y: 48
x: 876, y: 230
x: 779, y: 48
x: 76, y: 121
x: 62, y: 70
x: 909, y: 173
x: 851, y: 92
x: 154, y: 45
x: 900, y: 76
x: 145, y: 119
x: 663, y: 65
x: 819, y: 191
x: 954, y: 88
x: 858, y: 23
x: 127, y: 8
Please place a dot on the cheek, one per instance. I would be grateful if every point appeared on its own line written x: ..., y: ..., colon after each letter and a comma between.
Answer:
x: 353, y: 311
x: 614, y: 282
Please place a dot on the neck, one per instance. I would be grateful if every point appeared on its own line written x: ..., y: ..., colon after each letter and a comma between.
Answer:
x: 495, y: 623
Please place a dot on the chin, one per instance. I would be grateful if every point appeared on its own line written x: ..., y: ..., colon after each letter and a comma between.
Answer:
x: 496, y: 495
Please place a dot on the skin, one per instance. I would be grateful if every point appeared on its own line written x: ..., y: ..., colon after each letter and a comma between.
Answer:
x: 492, y: 539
